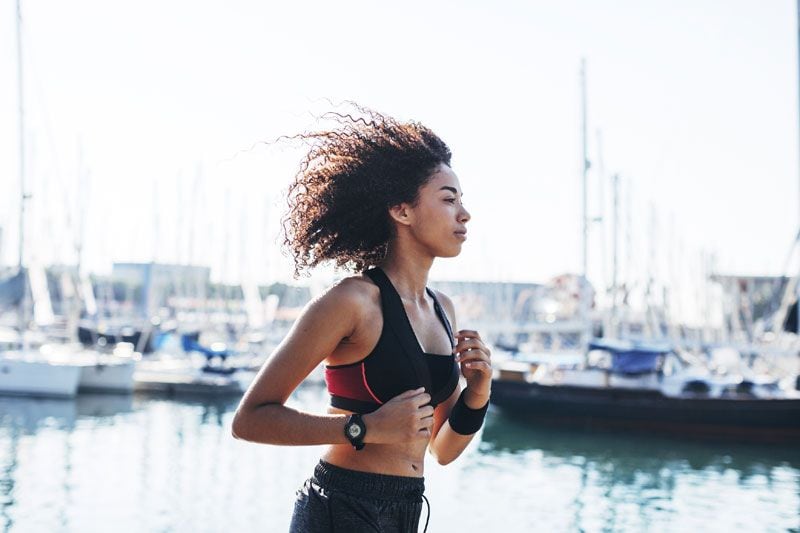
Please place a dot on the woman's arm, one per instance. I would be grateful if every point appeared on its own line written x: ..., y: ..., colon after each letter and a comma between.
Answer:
x: 261, y: 415
x: 446, y: 444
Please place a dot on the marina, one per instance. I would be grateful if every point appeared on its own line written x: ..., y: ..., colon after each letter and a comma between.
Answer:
x: 633, y: 265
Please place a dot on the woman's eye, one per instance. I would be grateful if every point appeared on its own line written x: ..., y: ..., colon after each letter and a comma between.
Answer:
x: 451, y: 200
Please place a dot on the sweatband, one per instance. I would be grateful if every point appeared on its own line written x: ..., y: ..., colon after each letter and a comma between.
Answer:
x: 466, y: 421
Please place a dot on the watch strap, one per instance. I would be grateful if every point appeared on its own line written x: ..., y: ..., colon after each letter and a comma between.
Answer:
x: 354, y: 430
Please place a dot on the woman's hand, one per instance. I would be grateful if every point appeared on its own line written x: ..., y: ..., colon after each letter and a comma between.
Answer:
x: 407, y: 416
x: 476, y: 367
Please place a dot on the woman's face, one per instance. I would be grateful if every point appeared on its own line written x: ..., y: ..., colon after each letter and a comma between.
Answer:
x: 438, y: 220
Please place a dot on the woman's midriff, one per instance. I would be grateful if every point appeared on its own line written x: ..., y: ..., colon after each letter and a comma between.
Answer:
x: 400, y: 459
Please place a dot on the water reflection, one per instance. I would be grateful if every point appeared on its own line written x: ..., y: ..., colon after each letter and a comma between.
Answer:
x: 78, y: 463
x: 103, y: 408
x: 28, y: 415
x: 622, y: 480
x: 212, y: 409
x: 631, y: 453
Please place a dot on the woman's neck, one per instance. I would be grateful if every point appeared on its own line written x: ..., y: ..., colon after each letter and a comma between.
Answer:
x: 408, y: 273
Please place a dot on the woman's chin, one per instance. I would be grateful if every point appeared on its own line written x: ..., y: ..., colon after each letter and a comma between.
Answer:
x: 450, y: 252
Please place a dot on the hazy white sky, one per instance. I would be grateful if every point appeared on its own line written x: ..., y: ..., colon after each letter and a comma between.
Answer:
x: 696, y: 102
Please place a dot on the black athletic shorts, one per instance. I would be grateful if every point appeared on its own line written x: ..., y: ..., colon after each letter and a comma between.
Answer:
x: 340, y: 500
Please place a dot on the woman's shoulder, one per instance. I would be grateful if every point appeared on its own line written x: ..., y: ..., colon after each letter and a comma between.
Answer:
x: 346, y: 302
x: 357, y: 292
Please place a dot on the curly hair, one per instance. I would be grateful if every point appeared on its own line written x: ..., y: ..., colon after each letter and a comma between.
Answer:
x: 338, y: 203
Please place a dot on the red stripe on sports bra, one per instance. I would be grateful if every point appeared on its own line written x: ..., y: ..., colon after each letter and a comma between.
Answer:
x: 348, y: 382
x: 364, y: 378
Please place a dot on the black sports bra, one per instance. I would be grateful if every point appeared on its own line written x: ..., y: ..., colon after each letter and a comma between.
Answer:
x: 396, y: 364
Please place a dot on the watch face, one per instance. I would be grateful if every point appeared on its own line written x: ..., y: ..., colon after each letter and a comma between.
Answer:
x: 354, y: 430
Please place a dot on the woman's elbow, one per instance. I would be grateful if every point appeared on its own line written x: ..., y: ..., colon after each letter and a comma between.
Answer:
x: 242, y: 423
x: 237, y: 426
x: 444, y: 461
x: 441, y: 458
x: 248, y: 423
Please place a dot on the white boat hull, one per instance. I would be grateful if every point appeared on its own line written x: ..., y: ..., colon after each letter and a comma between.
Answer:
x: 184, y: 376
x: 19, y: 376
x: 114, y: 377
x: 98, y: 371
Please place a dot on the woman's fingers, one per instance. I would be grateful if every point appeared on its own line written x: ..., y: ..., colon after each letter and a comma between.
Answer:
x: 426, y: 424
x: 462, y: 351
x: 479, y: 365
x: 471, y: 348
x: 421, y: 400
x: 477, y: 358
x: 472, y: 355
x: 411, y: 416
x: 472, y: 344
x: 468, y: 334
x: 410, y: 393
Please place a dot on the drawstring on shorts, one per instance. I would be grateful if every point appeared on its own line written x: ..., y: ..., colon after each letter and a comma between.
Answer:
x: 428, y: 516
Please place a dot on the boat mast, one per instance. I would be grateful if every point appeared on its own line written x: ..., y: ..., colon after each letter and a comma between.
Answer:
x: 792, y: 294
x: 615, y: 271
x: 22, y: 310
x: 796, y: 294
x: 584, y: 289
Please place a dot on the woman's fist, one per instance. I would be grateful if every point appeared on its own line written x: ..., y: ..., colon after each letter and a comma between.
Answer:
x: 476, y: 364
x: 407, y: 416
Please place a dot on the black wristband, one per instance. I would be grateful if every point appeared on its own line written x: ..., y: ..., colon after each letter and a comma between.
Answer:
x: 466, y: 421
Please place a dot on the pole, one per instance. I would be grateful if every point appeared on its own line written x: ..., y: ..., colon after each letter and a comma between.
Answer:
x: 615, y: 271
x: 21, y: 137
x: 584, y: 296
x: 22, y: 311
x: 797, y: 294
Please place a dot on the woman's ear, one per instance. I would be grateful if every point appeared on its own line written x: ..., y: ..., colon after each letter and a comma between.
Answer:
x: 401, y: 214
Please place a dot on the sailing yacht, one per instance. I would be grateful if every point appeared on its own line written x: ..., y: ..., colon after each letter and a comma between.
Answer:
x: 24, y: 367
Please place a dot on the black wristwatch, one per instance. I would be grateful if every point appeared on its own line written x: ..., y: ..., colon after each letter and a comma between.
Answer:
x: 355, y: 430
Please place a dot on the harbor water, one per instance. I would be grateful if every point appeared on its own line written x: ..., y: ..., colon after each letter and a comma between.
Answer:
x: 155, y: 464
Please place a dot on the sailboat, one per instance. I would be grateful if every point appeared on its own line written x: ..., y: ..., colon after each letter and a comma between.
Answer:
x: 23, y: 370
x: 37, y: 369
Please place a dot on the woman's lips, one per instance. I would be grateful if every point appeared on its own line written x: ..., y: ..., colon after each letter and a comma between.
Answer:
x: 461, y: 235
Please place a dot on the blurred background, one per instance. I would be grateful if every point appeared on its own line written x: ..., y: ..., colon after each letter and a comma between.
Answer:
x: 633, y: 174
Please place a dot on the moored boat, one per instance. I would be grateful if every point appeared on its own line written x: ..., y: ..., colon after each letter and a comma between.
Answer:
x: 28, y: 374
x: 99, y: 372
x: 663, y: 393
x: 189, y: 376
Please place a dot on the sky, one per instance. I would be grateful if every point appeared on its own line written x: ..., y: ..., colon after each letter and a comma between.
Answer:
x: 144, y: 124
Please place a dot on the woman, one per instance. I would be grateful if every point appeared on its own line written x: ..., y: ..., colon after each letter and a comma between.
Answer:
x: 378, y: 197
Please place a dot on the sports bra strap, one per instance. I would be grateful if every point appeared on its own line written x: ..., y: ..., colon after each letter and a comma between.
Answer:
x: 395, y: 316
x: 443, y: 317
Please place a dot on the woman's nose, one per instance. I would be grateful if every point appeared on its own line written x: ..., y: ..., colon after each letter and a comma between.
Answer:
x: 464, y: 215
